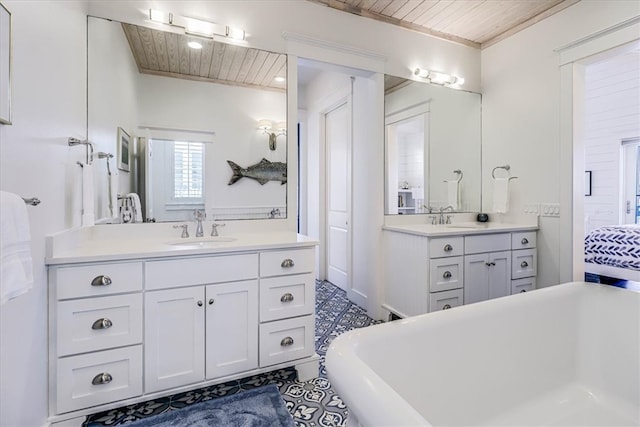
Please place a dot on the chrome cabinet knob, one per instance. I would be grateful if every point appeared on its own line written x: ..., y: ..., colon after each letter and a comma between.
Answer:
x: 448, y: 248
x: 524, y: 241
x: 101, y: 280
x: 286, y: 342
x: 447, y: 275
x: 287, y: 263
x: 103, y: 378
x: 211, y: 301
x: 524, y: 264
x: 286, y: 297
x: 200, y: 303
x: 524, y: 290
x: 446, y: 307
x: 103, y: 323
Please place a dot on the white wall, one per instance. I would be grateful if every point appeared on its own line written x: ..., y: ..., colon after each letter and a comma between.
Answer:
x: 49, y: 106
x: 612, y: 113
x: 521, y: 120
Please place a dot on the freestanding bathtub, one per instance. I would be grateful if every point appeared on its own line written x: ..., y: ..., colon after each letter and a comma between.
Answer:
x: 558, y: 356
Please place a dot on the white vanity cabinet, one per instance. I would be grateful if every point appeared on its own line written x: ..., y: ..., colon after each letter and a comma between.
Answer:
x: 130, y: 330
x: 95, y: 323
x: 199, y: 329
x: 487, y: 267
x: 429, y: 269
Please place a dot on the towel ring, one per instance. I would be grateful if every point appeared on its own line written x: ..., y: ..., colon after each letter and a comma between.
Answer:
x: 460, y: 175
x: 505, y: 167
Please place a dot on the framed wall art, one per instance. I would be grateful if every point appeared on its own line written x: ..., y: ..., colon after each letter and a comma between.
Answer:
x: 5, y: 65
x: 124, y: 151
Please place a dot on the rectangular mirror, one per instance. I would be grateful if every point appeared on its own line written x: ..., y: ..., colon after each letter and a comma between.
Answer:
x: 206, y: 123
x: 432, y: 148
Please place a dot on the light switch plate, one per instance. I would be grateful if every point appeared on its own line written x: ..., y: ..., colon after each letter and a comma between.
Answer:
x: 532, y: 208
x: 550, y: 209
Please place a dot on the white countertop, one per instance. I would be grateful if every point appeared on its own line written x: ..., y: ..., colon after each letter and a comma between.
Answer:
x: 457, y: 229
x: 80, y: 249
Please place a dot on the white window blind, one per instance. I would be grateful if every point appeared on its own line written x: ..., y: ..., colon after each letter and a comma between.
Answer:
x: 188, y: 164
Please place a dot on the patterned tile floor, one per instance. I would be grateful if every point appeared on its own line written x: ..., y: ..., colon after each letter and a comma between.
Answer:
x: 312, y: 403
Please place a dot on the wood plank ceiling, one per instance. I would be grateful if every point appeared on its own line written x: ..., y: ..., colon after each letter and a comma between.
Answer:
x: 167, y: 54
x: 476, y: 23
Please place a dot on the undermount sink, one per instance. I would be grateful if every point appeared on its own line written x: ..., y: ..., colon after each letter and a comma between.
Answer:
x: 201, y: 241
x: 467, y: 225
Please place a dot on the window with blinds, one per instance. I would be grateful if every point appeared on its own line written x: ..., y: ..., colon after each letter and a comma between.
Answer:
x: 188, y: 171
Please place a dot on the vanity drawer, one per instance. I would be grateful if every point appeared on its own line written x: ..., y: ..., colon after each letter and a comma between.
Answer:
x: 291, y: 261
x: 99, y: 323
x: 285, y: 340
x: 523, y: 263
x: 446, y: 246
x: 487, y: 243
x: 445, y: 300
x: 523, y: 285
x: 287, y: 296
x: 446, y: 274
x: 197, y: 271
x: 523, y: 240
x: 96, y: 378
x: 97, y: 279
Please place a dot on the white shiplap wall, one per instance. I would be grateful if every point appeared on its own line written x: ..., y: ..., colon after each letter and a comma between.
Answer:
x: 612, y: 113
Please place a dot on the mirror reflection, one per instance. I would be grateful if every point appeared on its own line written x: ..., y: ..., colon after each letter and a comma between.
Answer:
x: 432, y: 148
x: 206, y: 124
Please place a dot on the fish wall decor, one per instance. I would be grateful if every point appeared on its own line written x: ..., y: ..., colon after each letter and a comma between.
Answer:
x: 263, y: 171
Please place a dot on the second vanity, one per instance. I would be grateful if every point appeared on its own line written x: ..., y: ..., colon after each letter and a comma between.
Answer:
x: 438, y: 267
x: 134, y: 319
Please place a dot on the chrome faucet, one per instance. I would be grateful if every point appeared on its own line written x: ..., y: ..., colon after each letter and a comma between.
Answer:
x: 199, y: 216
x: 214, y: 228
x: 185, y: 230
x: 441, y: 219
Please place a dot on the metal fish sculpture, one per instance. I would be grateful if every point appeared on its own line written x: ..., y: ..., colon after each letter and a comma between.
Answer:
x: 262, y: 172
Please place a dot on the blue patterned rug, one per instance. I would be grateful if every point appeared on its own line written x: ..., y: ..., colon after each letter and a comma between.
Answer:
x: 260, y: 407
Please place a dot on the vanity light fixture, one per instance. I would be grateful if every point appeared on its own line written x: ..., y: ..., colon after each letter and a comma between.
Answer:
x: 279, y: 79
x: 266, y: 126
x: 196, y: 27
x: 438, y: 78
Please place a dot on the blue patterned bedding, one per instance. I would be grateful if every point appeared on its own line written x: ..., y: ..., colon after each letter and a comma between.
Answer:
x: 614, y: 245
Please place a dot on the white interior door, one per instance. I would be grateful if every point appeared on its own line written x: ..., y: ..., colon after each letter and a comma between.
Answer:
x: 631, y: 181
x: 338, y: 142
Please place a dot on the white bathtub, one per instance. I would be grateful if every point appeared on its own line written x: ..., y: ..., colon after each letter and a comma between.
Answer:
x: 564, y: 355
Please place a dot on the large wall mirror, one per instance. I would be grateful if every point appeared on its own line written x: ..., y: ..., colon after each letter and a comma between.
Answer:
x: 204, y: 126
x: 432, y: 148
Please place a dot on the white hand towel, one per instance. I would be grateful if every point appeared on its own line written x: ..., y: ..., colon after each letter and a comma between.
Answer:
x: 88, y: 213
x: 453, y: 193
x: 16, y: 265
x: 113, y: 188
x: 500, y: 195
x: 137, y: 207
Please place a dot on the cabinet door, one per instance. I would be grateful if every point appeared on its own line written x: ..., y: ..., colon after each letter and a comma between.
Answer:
x: 174, y: 338
x: 232, y: 328
x: 476, y: 278
x: 499, y: 274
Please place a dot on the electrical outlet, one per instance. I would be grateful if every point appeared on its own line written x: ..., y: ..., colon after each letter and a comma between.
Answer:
x: 532, y: 208
x: 550, y: 209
